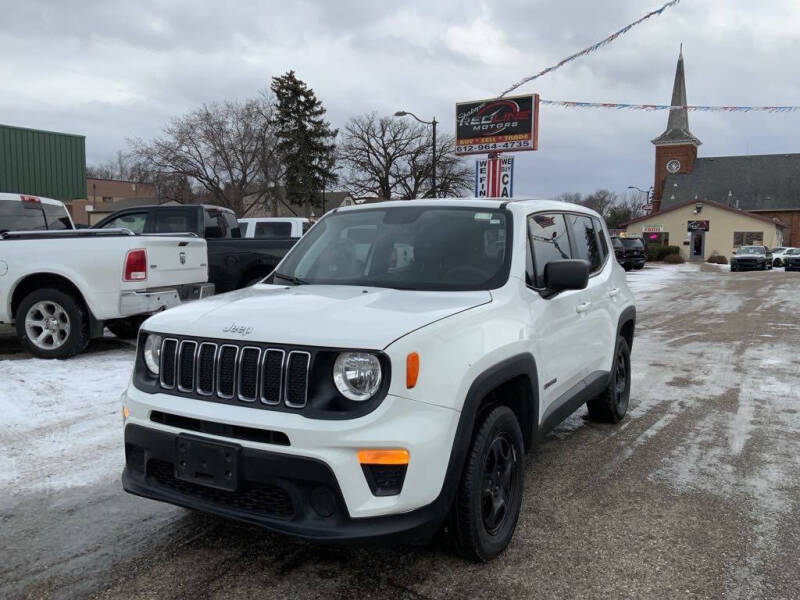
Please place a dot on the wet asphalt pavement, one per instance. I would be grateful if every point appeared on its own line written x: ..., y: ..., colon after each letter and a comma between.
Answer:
x: 696, y: 494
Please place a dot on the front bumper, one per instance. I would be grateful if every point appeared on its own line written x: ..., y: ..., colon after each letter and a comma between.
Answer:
x: 320, y: 461
x: 150, y: 301
x: 748, y: 265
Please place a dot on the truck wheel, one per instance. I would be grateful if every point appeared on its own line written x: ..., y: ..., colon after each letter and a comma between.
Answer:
x: 612, y: 404
x: 484, y: 514
x: 52, y: 324
x: 127, y: 328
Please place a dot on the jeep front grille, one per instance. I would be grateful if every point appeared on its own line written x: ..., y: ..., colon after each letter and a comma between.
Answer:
x: 247, y: 373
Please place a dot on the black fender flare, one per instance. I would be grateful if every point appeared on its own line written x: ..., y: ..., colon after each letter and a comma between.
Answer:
x: 488, y: 380
x: 627, y: 315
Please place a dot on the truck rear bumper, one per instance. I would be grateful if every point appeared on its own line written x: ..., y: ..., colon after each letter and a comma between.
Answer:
x: 150, y: 301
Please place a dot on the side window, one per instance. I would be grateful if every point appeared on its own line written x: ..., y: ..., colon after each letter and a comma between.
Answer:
x: 172, y: 221
x: 56, y: 216
x: 273, y: 230
x: 21, y: 216
x: 549, y: 241
x: 133, y: 221
x: 583, y: 235
x: 601, y: 235
x: 229, y: 224
x: 306, y: 226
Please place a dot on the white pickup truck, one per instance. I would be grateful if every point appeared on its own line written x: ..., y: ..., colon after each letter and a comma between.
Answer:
x: 60, y: 287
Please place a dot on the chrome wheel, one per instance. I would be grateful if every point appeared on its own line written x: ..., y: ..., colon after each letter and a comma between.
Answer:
x: 47, y: 325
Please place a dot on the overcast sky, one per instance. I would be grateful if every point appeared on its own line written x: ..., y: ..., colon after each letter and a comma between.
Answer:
x: 115, y: 71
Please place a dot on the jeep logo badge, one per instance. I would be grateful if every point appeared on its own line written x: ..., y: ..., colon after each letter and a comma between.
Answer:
x: 182, y: 256
x: 240, y: 329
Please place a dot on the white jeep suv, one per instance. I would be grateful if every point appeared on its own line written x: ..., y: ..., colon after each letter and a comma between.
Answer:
x: 389, y: 376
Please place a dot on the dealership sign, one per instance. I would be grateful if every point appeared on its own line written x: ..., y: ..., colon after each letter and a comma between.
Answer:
x: 498, y: 125
x: 697, y: 226
x: 652, y: 229
x: 494, y: 178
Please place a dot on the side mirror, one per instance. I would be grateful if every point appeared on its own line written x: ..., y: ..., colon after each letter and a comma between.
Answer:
x: 214, y: 232
x: 560, y: 275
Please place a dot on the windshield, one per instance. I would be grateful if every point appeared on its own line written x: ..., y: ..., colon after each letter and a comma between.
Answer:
x: 632, y: 243
x: 421, y: 248
x: 751, y: 250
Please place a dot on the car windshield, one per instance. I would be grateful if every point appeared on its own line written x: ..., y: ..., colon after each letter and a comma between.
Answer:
x: 617, y: 243
x: 751, y: 250
x: 413, y: 247
x: 632, y: 242
x: 793, y: 251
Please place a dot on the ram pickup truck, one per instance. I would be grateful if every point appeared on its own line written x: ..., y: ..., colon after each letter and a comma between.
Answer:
x: 389, y: 376
x: 233, y: 262
x: 60, y: 288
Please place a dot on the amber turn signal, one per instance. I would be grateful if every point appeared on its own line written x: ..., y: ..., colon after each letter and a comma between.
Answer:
x: 383, y: 457
x: 412, y: 369
x: 125, y: 412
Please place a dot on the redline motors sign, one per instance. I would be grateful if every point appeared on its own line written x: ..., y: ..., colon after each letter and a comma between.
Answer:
x: 498, y: 125
x: 494, y: 178
x: 653, y: 229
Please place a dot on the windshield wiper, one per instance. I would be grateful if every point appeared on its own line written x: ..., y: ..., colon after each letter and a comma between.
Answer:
x: 291, y: 279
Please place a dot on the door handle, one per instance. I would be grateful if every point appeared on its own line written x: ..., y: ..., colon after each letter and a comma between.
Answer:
x: 583, y: 307
x: 613, y: 292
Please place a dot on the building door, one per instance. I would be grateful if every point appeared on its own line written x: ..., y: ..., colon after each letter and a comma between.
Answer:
x: 697, y: 246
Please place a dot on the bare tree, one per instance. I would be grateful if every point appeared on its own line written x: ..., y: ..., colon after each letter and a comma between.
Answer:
x: 392, y: 158
x: 223, y: 151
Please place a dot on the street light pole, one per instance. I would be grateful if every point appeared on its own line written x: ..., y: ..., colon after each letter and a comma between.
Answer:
x: 404, y: 113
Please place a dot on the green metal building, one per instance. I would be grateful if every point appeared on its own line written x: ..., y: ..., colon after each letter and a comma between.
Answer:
x: 42, y: 163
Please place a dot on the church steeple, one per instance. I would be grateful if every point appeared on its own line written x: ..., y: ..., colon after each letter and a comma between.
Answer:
x: 676, y: 148
x: 677, y: 131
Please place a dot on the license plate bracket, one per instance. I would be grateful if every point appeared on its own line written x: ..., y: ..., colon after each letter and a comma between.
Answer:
x: 207, y: 462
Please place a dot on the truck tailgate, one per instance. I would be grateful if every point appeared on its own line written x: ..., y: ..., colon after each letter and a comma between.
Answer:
x: 175, y: 260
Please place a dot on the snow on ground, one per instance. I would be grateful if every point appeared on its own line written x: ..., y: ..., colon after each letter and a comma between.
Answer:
x: 61, y: 420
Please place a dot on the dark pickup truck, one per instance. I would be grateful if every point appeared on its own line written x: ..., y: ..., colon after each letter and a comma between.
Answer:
x: 233, y: 261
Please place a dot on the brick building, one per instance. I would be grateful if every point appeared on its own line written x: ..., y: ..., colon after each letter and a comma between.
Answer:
x: 765, y: 185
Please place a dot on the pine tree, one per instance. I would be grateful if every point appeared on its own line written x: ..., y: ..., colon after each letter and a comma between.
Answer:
x: 306, y: 142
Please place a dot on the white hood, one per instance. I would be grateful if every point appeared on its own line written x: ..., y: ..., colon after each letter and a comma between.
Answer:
x: 314, y: 315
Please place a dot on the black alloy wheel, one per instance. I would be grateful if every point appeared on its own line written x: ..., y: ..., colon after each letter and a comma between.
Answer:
x: 499, y: 473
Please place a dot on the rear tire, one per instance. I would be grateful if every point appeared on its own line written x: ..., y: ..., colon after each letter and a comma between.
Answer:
x: 612, y: 404
x: 485, y: 511
x: 127, y: 328
x: 52, y: 324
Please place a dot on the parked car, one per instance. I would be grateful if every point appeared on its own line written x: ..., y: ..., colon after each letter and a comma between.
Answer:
x: 778, y: 255
x: 410, y: 391
x: 274, y: 228
x: 233, y: 262
x: 619, y: 250
x: 791, y: 260
x: 750, y: 258
x: 635, y: 253
x: 21, y: 212
x: 60, y: 288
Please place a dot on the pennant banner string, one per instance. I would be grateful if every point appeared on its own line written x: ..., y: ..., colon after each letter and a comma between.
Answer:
x: 591, y: 48
x: 652, y: 107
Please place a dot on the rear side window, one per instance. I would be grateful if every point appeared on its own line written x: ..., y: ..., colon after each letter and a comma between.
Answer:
x: 174, y: 221
x: 584, y: 237
x: 549, y: 241
x: 21, y: 216
x: 601, y: 236
x: 273, y: 230
x: 56, y: 216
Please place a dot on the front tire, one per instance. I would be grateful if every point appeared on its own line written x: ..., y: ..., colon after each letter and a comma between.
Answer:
x: 612, y: 404
x: 485, y: 511
x: 52, y: 324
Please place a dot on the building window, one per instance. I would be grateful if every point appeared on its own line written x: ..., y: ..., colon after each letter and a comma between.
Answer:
x: 748, y: 238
